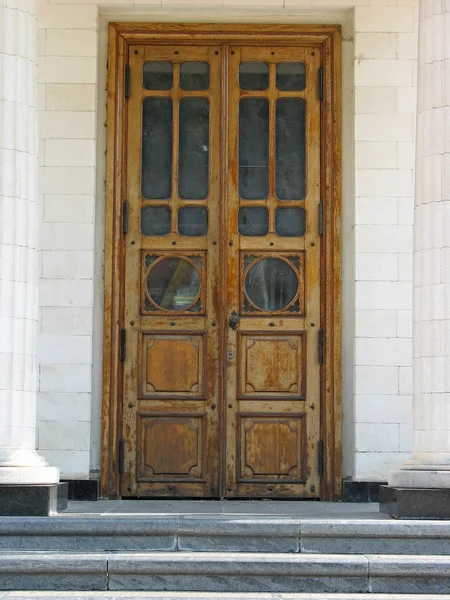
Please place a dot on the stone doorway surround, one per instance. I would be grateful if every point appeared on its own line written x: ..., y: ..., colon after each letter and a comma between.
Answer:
x: 429, y: 469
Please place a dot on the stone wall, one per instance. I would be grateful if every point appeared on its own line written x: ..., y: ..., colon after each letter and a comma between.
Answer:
x: 379, y: 54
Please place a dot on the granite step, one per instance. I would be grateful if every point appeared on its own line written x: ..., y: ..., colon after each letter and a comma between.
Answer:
x: 223, y: 534
x: 226, y: 572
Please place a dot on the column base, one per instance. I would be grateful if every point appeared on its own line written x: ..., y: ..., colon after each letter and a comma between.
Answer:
x: 29, y: 475
x: 33, y: 500
x: 415, y: 503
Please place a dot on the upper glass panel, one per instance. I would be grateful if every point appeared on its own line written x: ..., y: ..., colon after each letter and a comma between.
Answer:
x: 290, y: 222
x: 291, y: 76
x: 158, y: 75
x: 193, y: 169
x: 254, y: 75
x: 253, y: 220
x: 156, y: 167
x: 155, y: 220
x: 253, y: 148
x: 193, y: 221
x: 194, y: 75
x: 290, y: 151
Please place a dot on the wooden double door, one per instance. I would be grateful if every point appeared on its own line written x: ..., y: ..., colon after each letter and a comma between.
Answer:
x: 222, y: 261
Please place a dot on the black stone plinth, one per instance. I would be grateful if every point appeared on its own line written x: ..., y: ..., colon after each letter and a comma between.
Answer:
x: 84, y: 489
x: 33, y: 500
x: 404, y: 503
x: 361, y: 491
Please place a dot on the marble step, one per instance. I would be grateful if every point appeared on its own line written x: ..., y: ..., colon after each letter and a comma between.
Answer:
x: 223, y: 534
x: 226, y: 572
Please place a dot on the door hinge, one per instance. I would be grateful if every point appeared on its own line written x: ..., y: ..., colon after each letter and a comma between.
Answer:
x: 121, y: 457
x: 320, y: 83
x: 125, y: 218
x: 320, y: 218
x: 127, y: 81
x: 123, y: 345
x: 320, y: 457
x: 321, y: 341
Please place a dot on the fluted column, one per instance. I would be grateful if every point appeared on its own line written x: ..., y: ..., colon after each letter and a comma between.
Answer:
x: 429, y: 467
x: 19, y: 462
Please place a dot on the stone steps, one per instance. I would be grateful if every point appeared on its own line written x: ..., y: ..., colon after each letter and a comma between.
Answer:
x: 223, y: 534
x: 206, y: 596
x: 226, y: 572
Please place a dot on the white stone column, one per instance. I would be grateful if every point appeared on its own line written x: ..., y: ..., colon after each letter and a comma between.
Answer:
x: 429, y: 467
x: 19, y: 462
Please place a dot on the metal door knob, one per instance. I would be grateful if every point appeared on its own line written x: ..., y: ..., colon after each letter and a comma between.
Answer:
x: 233, y: 321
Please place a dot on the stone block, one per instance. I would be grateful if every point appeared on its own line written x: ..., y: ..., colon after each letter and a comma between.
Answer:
x: 31, y: 571
x: 227, y: 572
x: 239, y: 535
x: 33, y: 500
x: 374, y: 537
x: 88, y: 534
x: 409, y: 574
x: 410, y: 503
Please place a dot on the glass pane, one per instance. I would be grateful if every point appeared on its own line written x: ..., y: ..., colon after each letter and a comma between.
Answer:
x: 194, y: 75
x: 254, y: 75
x: 253, y: 148
x: 157, y: 148
x: 290, y: 159
x: 271, y: 284
x: 291, y: 76
x: 158, y: 75
x: 253, y: 220
x: 290, y: 222
x: 193, y: 220
x: 155, y: 220
x: 173, y: 283
x: 194, y: 148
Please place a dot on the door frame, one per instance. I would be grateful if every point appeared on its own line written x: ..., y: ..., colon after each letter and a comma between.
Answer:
x: 120, y: 37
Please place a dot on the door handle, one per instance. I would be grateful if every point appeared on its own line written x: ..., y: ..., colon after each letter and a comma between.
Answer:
x: 233, y: 321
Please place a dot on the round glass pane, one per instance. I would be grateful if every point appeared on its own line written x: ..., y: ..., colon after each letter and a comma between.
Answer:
x: 271, y: 284
x: 173, y: 283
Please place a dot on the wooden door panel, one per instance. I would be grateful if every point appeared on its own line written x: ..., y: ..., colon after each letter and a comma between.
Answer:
x: 271, y: 365
x: 171, y: 447
x: 274, y: 273
x: 172, y: 364
x: 271, y: 448
x: 171, y: 371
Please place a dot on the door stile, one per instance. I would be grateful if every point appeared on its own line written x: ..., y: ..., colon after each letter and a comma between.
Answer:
x: 223, y: 314
x: 312, y: 281
x: 128, y: 478
x: 231, y: 252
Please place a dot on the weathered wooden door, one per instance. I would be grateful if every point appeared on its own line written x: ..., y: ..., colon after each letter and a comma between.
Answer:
x: 273, y: 276
x: 222, y: 260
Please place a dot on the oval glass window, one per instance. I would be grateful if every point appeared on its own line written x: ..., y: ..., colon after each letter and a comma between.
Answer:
x: 271, y: 284
x: 173, y: 283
